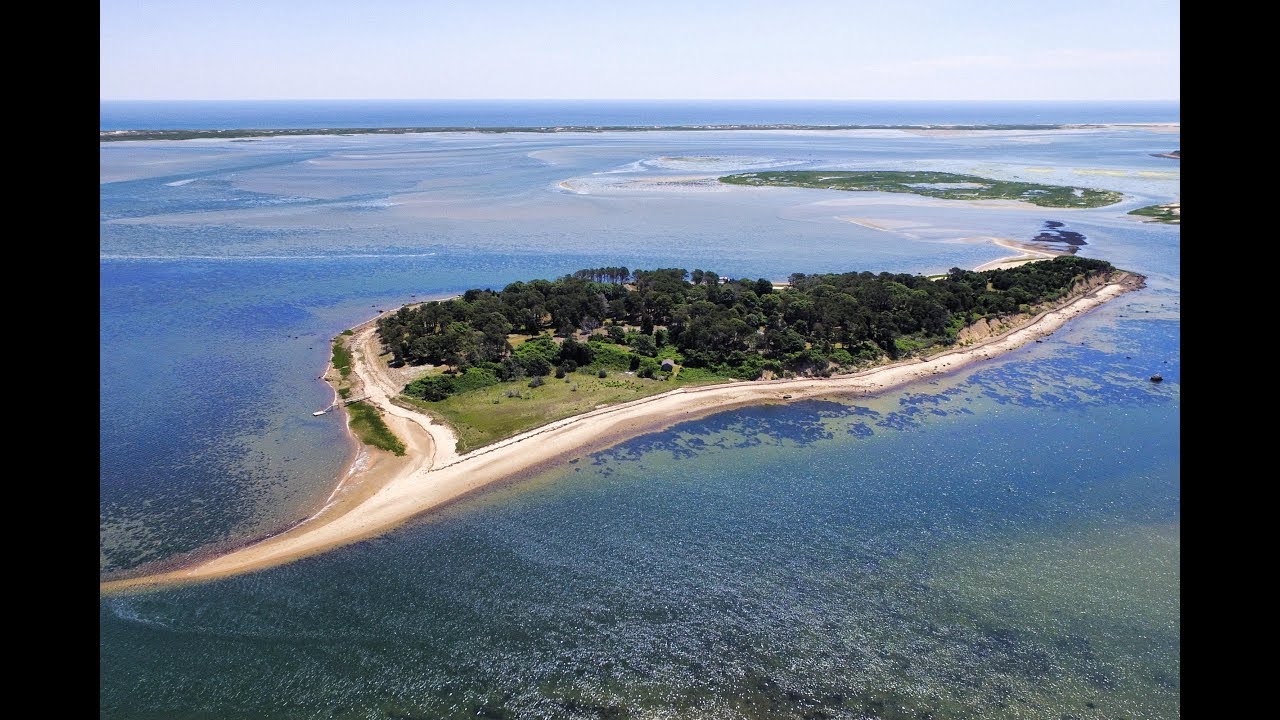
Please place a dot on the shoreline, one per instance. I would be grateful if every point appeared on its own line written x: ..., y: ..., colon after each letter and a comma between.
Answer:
x: 1026, y: 254
x: 392, y: 490
x: 125, y: 135
x: 238, y: 133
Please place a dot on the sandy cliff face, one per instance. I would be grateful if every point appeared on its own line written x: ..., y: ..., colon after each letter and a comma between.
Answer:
x: 985, y: 328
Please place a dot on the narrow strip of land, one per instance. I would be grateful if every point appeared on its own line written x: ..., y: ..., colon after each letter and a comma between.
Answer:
x: 243, y: 133
x: 393, y: 490
x: 1026, y: 254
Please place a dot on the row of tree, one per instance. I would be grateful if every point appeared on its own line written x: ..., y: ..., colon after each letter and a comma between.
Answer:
x: 737, y: 327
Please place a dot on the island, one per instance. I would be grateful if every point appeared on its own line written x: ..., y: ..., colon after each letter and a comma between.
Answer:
x: 460, y: 393
x: 948, y: 186
x: 1168, y: 213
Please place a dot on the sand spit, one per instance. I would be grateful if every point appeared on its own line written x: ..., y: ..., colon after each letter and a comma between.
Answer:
x: 1026, y: 254
x: 395, y: 489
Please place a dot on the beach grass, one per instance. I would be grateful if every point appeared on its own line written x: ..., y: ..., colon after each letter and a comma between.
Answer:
x: 948, y: 186
x: 368, y: 425
x: 341, y: 357
x: 485, y: 416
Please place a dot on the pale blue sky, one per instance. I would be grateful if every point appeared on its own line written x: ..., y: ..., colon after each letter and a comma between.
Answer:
x: 839, y: 49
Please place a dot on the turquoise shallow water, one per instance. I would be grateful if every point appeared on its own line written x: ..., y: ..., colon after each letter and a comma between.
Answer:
x: 999, y: 544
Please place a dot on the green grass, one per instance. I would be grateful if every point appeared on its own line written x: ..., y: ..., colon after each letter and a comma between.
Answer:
x: 485, y: 416
x: 341, y: 357
x: 1168, y: 214
x: 368, y: 425
x: 909, y: 345
x: 918, y: 183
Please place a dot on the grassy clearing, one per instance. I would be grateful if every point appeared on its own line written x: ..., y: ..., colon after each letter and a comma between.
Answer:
x: 1170, y: 213
x: 368, y: 425
x: 948, y: 186
x: 484, y: 416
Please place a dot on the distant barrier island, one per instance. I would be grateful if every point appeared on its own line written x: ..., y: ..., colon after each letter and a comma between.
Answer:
x: 178, y: 134
x: 948, y: 186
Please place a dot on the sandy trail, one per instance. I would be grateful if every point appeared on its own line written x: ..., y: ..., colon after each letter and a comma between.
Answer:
x: 431, y: 474
x: 380, y: 388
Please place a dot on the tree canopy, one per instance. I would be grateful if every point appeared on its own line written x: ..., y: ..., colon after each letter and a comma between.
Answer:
x: 736, y: 327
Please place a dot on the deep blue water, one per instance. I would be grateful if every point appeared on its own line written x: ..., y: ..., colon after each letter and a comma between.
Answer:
x: 229, y: 114
x: 1003, y: 543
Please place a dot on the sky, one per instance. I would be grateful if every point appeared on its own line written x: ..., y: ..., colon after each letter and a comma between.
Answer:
x: 639, y: 49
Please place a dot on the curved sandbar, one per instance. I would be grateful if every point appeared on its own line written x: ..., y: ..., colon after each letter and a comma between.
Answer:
x: 432, y: 474
x: 1026, y: 254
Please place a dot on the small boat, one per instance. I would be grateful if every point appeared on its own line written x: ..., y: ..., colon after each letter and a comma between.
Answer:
x: 319, y: 412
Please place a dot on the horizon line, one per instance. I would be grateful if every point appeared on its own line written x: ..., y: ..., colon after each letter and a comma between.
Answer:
x: 626, y: 99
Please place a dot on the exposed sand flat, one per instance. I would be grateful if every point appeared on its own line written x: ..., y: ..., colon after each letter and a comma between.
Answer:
x: 393, y: 490
x: 1027, y: 253
x: 886, y: 224
x: 1101, y: 171
x: 1166, y: 127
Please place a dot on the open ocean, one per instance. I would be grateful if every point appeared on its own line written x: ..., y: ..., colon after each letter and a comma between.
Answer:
x: 1001, y: 543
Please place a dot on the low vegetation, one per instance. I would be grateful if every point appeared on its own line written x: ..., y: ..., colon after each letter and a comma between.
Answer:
x: 949, y: 186
x: 341, y: 357
x: 486, y: 415
x: 368, y: 425
x: 1169, y: 213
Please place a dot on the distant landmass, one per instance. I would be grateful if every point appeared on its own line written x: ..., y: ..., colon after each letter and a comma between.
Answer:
x: 161, y: 134
x: 949, y: 186
x: 1168, y: 213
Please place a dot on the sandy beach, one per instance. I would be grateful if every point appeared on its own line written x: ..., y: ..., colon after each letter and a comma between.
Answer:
x: 382, y: 491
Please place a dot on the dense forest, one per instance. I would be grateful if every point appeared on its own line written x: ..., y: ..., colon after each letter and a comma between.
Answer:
x: 617, y: 319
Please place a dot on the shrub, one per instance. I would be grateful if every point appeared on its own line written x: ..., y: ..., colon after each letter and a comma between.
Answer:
x: 474, y: 379
x: 432, y: 388
x: 602, y: 373
x: 537, y: 381
x: 643, y: 344
x: 610, y: 356
x: 536, y: 365
x: 578, y: 353
x: 648, y: 368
